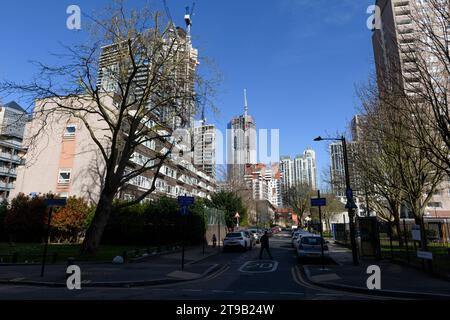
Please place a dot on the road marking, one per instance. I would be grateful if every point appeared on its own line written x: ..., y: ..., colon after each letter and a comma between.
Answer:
x: 259, y: 266
x: 256, y: 292
x: 297, y: 293
x: 222, y: 291
x: 192, y: 290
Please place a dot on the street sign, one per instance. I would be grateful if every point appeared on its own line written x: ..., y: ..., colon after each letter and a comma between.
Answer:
x: 349, y: 194
x: 56, y: 202
x: 351, y: 205
x: 318, y: 202
x: 186, y: 201
x: 184, y: 211
x: 425, y: 255
x: 237, y: 216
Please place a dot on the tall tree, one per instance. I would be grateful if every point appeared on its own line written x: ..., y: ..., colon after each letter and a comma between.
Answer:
x: 131, y: 86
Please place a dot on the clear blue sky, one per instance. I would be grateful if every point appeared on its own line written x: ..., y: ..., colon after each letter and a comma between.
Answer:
x: 299, y: 59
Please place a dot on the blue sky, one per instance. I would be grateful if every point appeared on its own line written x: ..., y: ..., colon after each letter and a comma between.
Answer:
x: 298, y: 59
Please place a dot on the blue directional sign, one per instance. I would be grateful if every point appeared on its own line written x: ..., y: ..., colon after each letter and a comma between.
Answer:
x: 184, y: 211
x: 349, y: 194
x: 186, y: 201
x: 318, y: 202
x: 56, y: 202
x: 351, y: 205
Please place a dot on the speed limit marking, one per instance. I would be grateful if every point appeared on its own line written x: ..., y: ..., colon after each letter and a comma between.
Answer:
x: 260, y: 266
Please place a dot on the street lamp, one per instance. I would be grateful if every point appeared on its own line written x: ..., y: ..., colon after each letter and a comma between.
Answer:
x: 350, y: 203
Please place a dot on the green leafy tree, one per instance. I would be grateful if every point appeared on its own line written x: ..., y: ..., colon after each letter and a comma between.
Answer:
x: 230, y: 203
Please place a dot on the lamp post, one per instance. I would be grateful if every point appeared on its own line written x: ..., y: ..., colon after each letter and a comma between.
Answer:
x: 350, y: 203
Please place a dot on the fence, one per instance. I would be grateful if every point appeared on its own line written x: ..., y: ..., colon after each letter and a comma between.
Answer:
x: 397, y: 244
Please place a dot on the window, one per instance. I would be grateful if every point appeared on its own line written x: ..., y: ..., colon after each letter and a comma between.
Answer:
x: 70, y: 130
x: 64, y: 176
x: 64, y: 195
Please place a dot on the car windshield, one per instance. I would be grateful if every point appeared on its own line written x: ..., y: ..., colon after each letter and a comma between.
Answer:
x: 313, y: 241
x: 234, y: 235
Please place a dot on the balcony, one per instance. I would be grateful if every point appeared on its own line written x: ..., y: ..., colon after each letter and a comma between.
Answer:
x: 7, y: 186
x: 5, y: 170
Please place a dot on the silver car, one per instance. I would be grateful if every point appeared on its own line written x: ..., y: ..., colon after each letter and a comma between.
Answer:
x: 310, y: 247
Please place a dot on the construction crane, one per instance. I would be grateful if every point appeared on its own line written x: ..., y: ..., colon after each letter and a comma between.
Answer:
x: 169, y: 16
x: 188, y: 19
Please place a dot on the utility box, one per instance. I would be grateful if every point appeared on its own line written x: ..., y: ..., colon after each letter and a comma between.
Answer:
x: 369, y: 237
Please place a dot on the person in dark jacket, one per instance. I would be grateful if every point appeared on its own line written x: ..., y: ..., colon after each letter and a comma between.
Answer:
x: 265, y: 245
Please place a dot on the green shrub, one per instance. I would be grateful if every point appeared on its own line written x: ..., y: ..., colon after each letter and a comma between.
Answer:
x: 26, y: 219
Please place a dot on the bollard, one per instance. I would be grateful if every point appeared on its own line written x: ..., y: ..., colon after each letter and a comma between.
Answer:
x: 15, y: 257
x: 70, y: 261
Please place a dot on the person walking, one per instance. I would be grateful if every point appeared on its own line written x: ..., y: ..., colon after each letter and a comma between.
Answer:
x: 265, y: 245
x: 214, y: 240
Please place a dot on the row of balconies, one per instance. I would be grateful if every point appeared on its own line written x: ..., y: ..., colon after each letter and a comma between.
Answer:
x: 6, y: 170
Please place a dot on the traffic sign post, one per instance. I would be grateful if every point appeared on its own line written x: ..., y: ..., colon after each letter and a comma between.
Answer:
x: 237, y: 216
x: 184, y: 202
x: 51, y: 203
x: 320, y: 202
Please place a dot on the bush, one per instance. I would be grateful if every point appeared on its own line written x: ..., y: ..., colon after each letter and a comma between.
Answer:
x: 26, y: 219
x: 155, y: 223
x: 69, y: 224
x: 3, y: 210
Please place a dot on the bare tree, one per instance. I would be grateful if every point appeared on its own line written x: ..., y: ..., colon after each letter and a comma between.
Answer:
x: 298, y: 197
x: 132, y: 86
x: 391, y: 157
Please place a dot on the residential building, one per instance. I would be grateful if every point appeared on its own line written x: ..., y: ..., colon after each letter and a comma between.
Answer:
x: 337, y: 172
x: 65, y: 160
x: 241, y: 143
x: 300, y: 170
x: 205, y: 148
x: 264, y: 182
x: 395, y: 45
x: 13, y: 119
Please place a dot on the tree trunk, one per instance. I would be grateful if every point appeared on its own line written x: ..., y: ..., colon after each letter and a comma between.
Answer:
x: 399, y: 230
x: 95, y: 231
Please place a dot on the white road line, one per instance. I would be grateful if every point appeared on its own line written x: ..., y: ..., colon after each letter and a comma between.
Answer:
x: 299, y: 293
x: 192, y: 290
x: 257, y: 292
x: 222, y: 291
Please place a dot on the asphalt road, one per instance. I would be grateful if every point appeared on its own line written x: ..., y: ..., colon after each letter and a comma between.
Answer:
x: 243, y: 277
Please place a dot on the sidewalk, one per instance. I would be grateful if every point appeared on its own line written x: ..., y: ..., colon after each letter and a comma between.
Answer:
x: 396, y: 280
x: 155, y: 270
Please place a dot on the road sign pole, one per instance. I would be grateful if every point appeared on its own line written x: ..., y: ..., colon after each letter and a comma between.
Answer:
x: 183, y: 218
x: 321, y: 231
x: 50, y: 210
x: 351, y: 212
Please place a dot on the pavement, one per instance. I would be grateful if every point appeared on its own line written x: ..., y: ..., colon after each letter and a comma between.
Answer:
x: 396, y: 280
x: 151, y: 270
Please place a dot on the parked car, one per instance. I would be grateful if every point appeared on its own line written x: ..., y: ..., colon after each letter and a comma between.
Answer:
x: 294, y: 237
x: 310, y: 247
x: 236, y: 240
x: 252, y: 239
x: 255, y: 234
x: 300, y: 235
